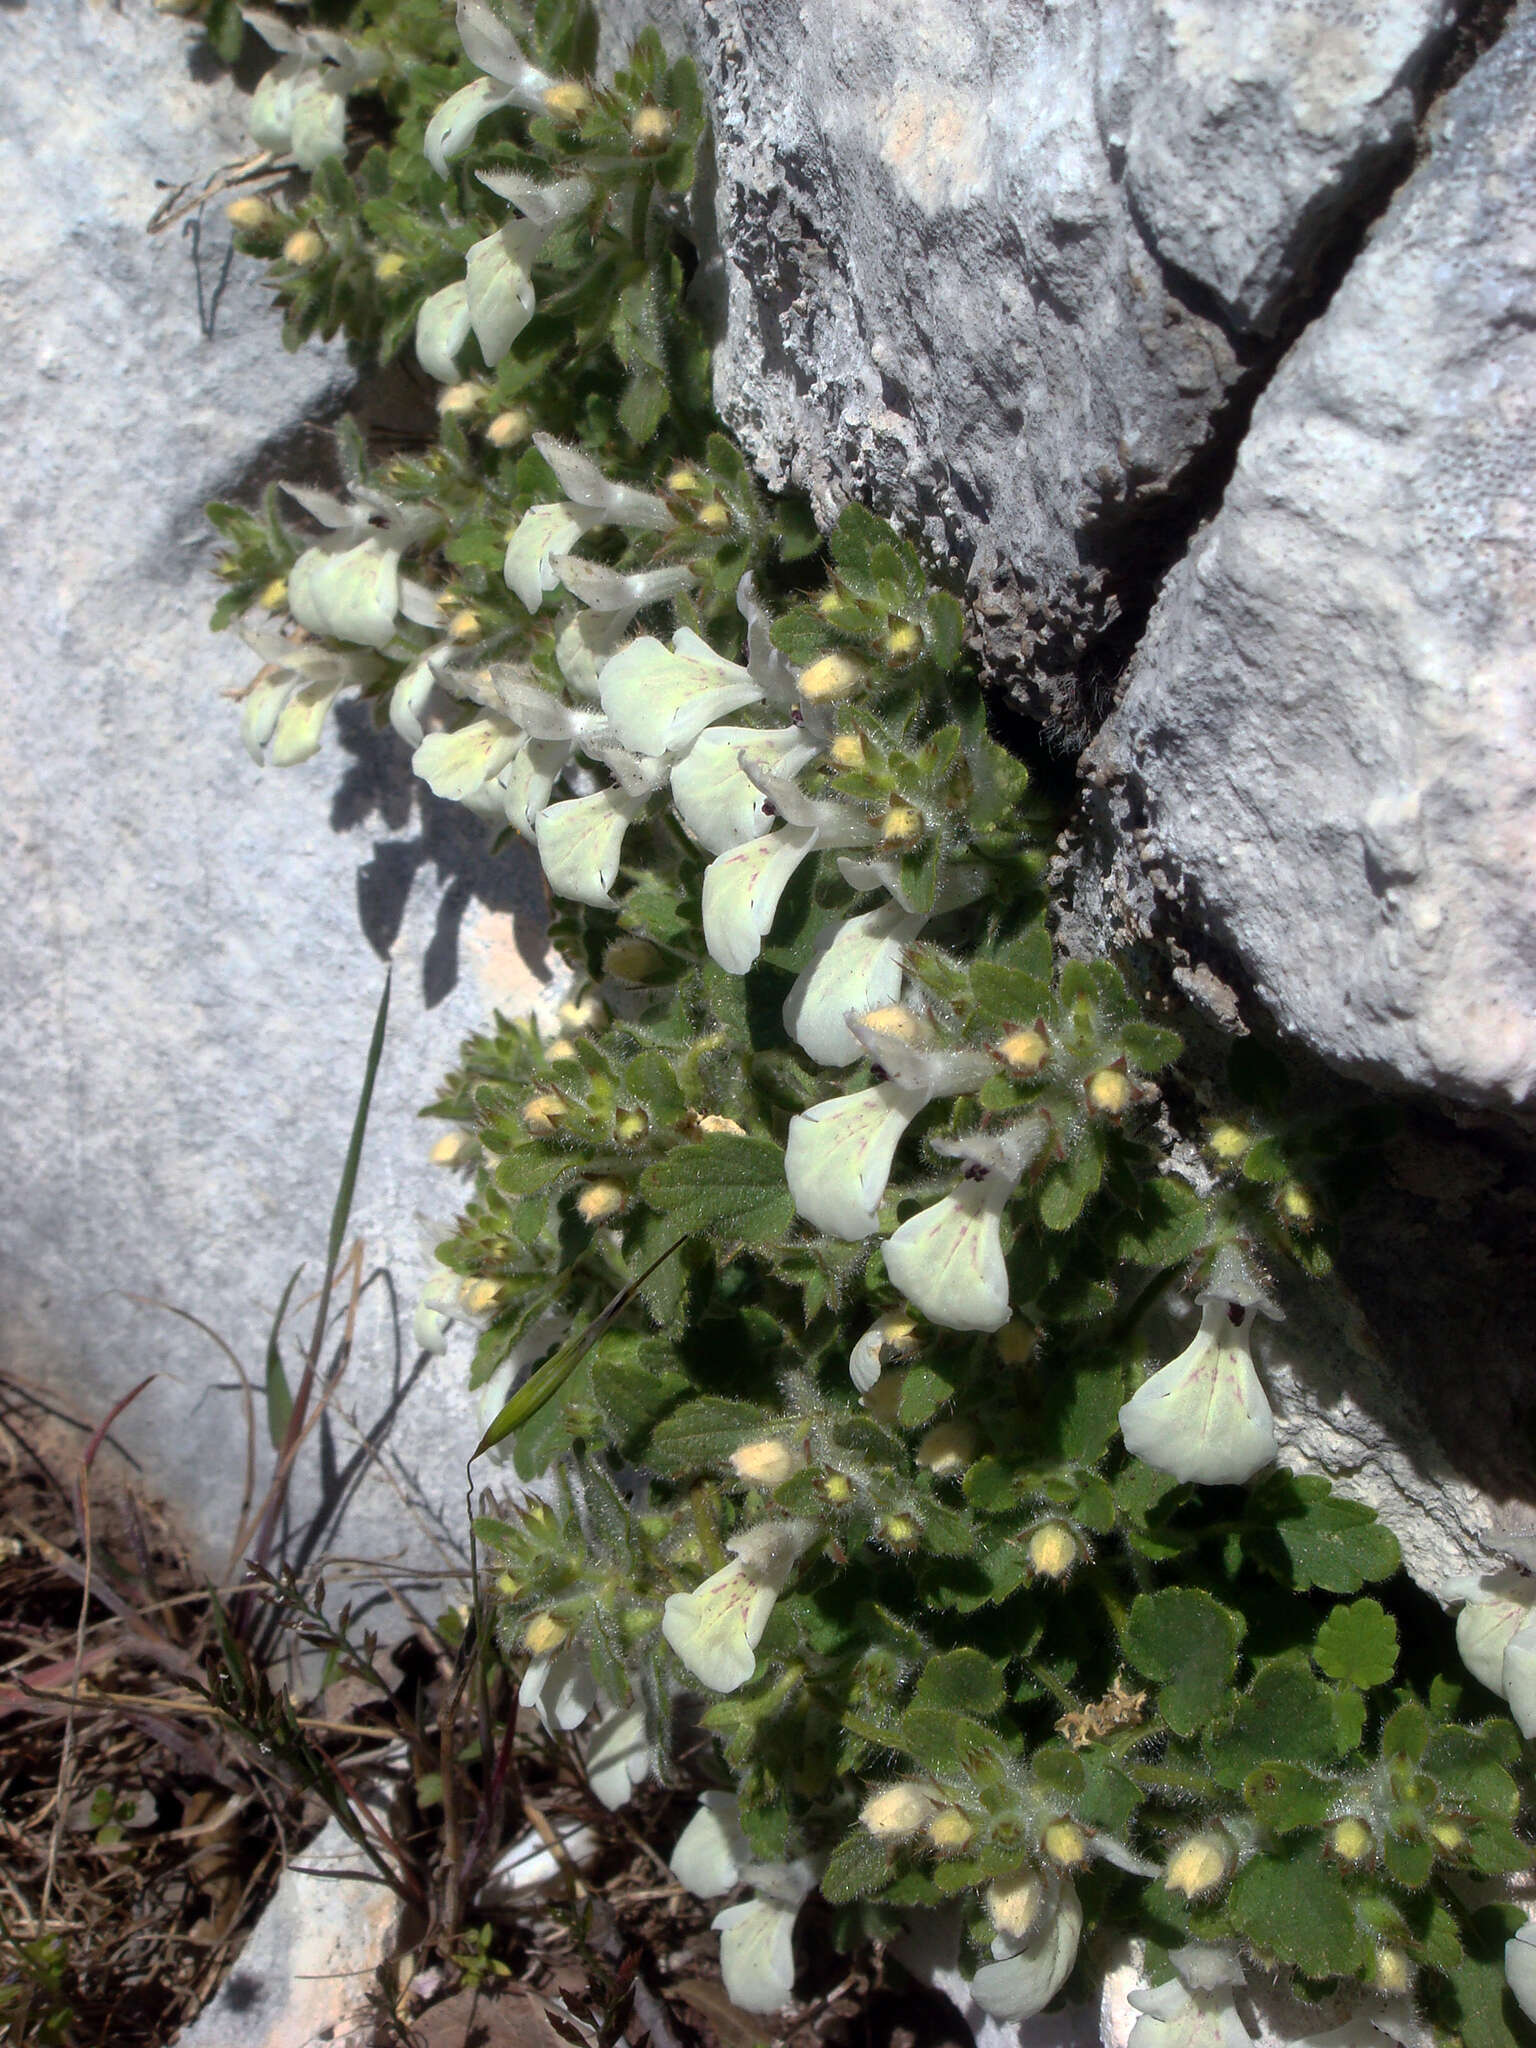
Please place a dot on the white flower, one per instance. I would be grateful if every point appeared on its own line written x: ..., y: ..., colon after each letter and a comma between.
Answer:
x: 856, y: 967
x: 284, y: 709
x: 715, y: 785
x: 838, y: 1155
x: 301, y: 104
x: 548, y: 531
x: 712, y: 1851
x: 349, y: 585
x: 543, y: 532
x: 716, y: 1628
x: 1204, y: 1417
x: 1497, y: 1609
x: 1520, y: 1968
x: 660, y: 701
x: 618, y: 1756
x: 455, y: 764
x: 1195, y: 2008
x: 560, y: 1688
x: 606, y: 606
x: 948, y: 1259
x: 500, y: 298
x: 741, y: 895
x: 442, y: 328
x: 757, y: 1951
x: 1026, y: 1975
x: 893, y: 1330
x: 527, y: 1866
x: 580, y: 843
x: 1519, y: 1677
x: 510, y: 81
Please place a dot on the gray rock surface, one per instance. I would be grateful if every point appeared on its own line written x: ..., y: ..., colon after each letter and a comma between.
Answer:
x: 189, y: 982
x: 1330, y: 727
x: 995, y: 269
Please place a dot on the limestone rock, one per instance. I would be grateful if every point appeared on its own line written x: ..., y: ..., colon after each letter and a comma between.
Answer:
x: 991, y: 268
x: 1330, y: 727
x: 189, y: 978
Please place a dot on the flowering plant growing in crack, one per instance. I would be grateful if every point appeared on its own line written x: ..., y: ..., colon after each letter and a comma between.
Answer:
x: 828, y: 1262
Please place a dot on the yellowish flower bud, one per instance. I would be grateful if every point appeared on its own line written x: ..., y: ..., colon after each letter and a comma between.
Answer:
x: 768, y: 1462
x: 1013, y: 1903
x: 651, y: 128
x: 459, y: 399
x: 464, y: 628
x: 1391, y: 1971
x: 390, y: 267
x: 1016, y: 1343
x: 542, y: 1114
x: 275, y: 596
x: 715, y: 517
x: 585, y: 1015
x: 600, y: 1200
x: 902, y: 824
x: 900, y: 1531
x: 1065, y: 1843
x: 1199, y: 1865
x: 1447, y: 1836
x: 509, y: 427
x: 1110, y: 1091
x: 480, y: 1297
x: 1025, y: 1052
x: 559, y: 1049
x: 894, y: 1021
x: 635, y: 960
x: 1296, y: 1204
x: 1228, y: 1143
x: 544, y: 1635
x: 831, y: 678
x: 847, y: 751
x: 454, y: 1148
x: 1351, y: 1840
x: 568, y: 100
x: 720, y: 1126
x: 302, y: 248
x: 505, y: 1583
x: 898, y: 1811
x: 947, y: 1449
x: 682, y: 481
x: 630, y: 1126
x: 1053, y: 1550
x: 949, y: 1830
x: 902, y: 641
x: 837, y: 608
x: 250, y: 215
x: 837, y: 1488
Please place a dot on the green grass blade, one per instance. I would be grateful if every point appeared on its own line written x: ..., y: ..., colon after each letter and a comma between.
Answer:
x: 279, y: 1393
x: 343, y: 1205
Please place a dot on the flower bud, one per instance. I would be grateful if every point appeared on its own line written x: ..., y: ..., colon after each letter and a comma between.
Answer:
x: 509, y: 427
x: 902, y: 641
x: 893, y: 1021
x: 1025, y: 1052
x: 683, y: 481
x: 900, y: 1531
x: 585, y: 1015
x: 541, y: 1114
x: 837, y: 1489
x: 950, y: 1831
x: 1391, y: 1970
x: 275, y: 596
x: 1448, y: 1837
x: 454, y: 1148
x: 636, y: 1623
x: 1016, y: 1343
x: 390, y: 267
x: 559, y: 1049
x: 768, y: 1462
x: 651, y: 128
x: 1053, y: 1550
x: 947, y: 1449
x: 459, y: 399
x: 544, y: 1635
x: 720, y: 1126
x: 464, y: 628
x: 600, y: 1200
x: 847, y: 751
x: 1109, y: 1091
x: 1013, y: 1903
x: 898, y: 1811
x: 1228, y: 1143
x: 715, y: 517
x: 1351, y: 1840
x: 636, y: 960
x: 567, y: 101
x: 302, y: 248
x: 1296, y: 1205
x: 833, y: 677
x: 480, y: 1297
x: 630, y: 1126
x: 1200, y: 1864
x: 1065, y: 1843
x: 250, y: 215
x: 902, y: 824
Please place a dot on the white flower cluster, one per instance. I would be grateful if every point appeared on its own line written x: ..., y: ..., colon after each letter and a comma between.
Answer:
x: 712, y: 1857
x: 300, y: 106
x: 1496, y: 1637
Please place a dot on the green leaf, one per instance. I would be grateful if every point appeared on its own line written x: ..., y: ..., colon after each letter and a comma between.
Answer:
x: 1064, y: 1188
x: 635, y: 1387
x: 857, y: 1868
x: 1150, y: 1046
x: 1473, y: 2001
x: 923, y: 1393
x: 1167, y: 1225
x: 279, y: 1394
x: 1406, y: 1732
x: 946, y: 629
x: 732, y: 1187
x: 703, y: 1434
x: 1358, y: 1644
x: 1188, y: 1642
x: 651, y: 1079
x: 961, y: 1678
x: 530, y: 1170
x: 1292, y: 1905
x: 1309, y: 1537
x: 1464, y: 1764
x: 1286, y: 1796
x: 225, y: 28
x: 643, y: 406
x: 1008, y: 995
x: 1286, y: 1714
